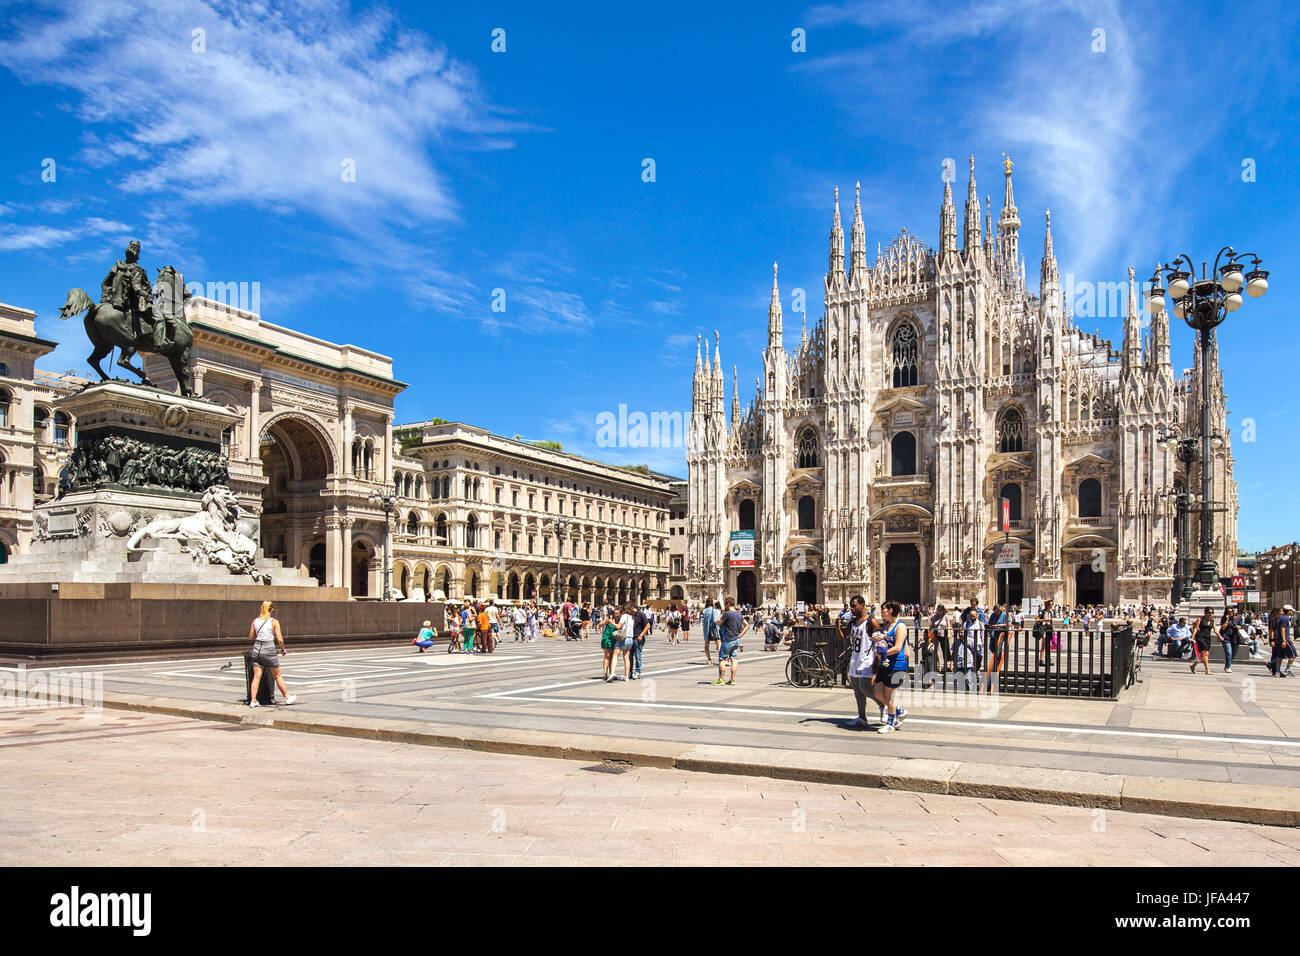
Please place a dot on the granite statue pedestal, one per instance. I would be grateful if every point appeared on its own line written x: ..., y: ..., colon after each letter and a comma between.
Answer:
x: 142, y: 454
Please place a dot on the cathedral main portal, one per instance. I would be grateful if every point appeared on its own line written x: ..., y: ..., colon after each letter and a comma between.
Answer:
x: 903, y: 574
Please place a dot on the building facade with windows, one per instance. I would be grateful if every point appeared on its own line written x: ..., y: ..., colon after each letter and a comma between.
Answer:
x: 35, y: 435
x: 480, y: 515
x: 873, y: 456
x: 677, y: 510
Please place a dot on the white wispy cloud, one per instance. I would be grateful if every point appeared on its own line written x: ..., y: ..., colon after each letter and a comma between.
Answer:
x: 15, y: 237
x: 279, y: 103
x: 1072, y: 105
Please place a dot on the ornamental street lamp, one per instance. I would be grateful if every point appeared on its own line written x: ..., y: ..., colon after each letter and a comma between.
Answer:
x: 1204, y: 304
x: 560, y: 525
x: 387, y: 501
x: 1182, y: 568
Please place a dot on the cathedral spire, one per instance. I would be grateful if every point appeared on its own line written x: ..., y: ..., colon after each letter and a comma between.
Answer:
x: 835, y: 273
x: 1009, y: 224
x: 858, y: 248
x: 699, y: 368
x: 1132, y: 329
x: 735, y: 398
x: 1158, y: 350
x: 971, y: 238
x: 947, y: 222
x: 990, y: 241
x: 774, y: 315
x: 717, y: 356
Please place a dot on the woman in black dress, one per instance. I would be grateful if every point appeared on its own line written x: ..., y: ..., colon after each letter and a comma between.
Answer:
x: 1204, y: 637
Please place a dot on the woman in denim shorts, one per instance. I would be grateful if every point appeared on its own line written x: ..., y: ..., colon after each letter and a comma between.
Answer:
x: 265, y: 634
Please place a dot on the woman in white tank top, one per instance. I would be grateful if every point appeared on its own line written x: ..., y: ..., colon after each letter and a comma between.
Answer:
x: 265, y: 634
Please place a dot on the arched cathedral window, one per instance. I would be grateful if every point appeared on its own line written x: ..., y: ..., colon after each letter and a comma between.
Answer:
x: 1011, y: 431
x: 806, y: 450
x: 904, y: 357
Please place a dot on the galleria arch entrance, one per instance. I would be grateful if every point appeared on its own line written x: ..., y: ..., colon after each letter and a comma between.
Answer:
x: 295, y: 461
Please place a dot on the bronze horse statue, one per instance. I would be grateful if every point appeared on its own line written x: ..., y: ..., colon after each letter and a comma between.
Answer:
x: 108, y: 328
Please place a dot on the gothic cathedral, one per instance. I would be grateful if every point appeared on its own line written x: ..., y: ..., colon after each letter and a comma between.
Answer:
x: 875, y: 457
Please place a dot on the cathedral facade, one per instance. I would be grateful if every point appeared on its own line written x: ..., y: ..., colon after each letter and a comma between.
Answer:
x: 878, y: 455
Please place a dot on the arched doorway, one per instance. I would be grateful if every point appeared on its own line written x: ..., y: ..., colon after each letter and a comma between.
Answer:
x: 805, y: 587
x: 403, y: 580
x: 746, y: 588
x: 1089, y: 585
x: 512, y: 587
x: 361, y: 555
x: 903, y: 574
x: 1011, y: 586
x: 676, y: 594
x: 295, y: 461
x: 316, y: 563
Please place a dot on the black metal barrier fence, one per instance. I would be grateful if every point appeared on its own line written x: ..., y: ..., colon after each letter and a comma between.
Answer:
x: 1069, y: 662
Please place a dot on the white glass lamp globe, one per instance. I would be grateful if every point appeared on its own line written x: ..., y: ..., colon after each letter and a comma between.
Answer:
x: 1178, y: 285
x: 1257, y: 285
x: 1155, y: 304
x: 1232, y: 301
x: 1231, y: 277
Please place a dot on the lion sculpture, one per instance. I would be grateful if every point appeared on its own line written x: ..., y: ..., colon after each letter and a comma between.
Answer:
x: 210, y: 533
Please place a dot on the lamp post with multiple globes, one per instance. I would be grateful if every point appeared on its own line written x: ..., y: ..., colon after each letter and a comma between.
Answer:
x: 1204, y: 304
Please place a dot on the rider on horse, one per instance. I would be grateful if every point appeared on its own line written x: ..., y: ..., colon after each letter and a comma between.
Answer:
x: 126, y: 288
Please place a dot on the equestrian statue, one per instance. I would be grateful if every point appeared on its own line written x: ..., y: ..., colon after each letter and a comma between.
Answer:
x: 134, y: 316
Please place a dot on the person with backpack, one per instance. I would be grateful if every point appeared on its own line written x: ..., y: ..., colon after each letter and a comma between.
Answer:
x: 708, y: 623
x: 674, y: 623
x: 642, y: 624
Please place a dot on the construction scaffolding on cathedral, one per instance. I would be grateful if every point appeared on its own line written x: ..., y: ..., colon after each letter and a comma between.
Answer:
x: 871, y: 457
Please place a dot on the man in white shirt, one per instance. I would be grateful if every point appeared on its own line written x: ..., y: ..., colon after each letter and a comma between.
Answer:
x: 862, y: 665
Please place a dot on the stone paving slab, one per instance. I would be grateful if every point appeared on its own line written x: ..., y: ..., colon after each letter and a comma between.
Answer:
x: 218, y: 796
x: 545, y: 699
x: 1251, y: 803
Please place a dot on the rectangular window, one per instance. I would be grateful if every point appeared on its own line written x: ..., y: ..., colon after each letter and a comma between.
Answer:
x: 530, y: 544
x: 514, y: 542
x: 677, y: 565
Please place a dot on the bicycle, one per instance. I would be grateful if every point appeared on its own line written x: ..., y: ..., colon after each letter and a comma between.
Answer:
x: 1134, y: 662
x: 811, y: 668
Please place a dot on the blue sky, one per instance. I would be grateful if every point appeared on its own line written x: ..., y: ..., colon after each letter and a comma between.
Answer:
x: 522, y: 170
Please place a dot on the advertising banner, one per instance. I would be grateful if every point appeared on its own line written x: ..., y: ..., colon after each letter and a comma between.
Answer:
x: 741, y: 552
